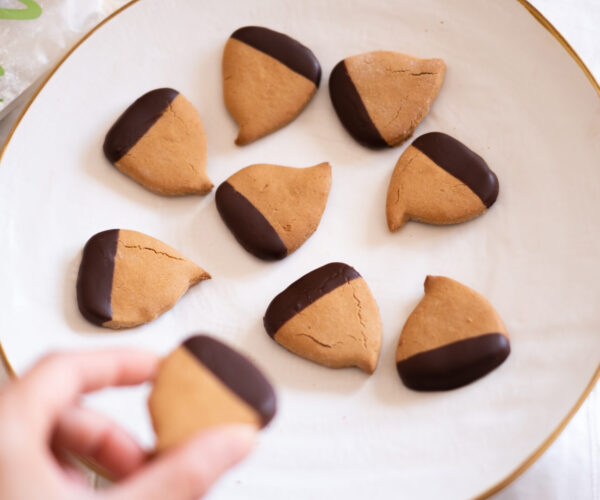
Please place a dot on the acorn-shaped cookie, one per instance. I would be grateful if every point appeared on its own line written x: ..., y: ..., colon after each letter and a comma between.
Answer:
x: 128, y: 278
x: 204, y: 383
x: 439, y: 180
x: 268, y: 79
x: 381, y: 97
x: 328, y: 316
x: 272, y: 210
x: 159, y: 142
x: 453, y: 337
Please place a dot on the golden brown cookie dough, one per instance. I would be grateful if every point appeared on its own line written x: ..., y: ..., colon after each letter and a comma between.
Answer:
x: 272, y: 209
x: 381, y: 97
x: 159, y: 142
x: 438, y: 180
x: 127, y: 278
x: 453, y: 337
x: 328, y: 316
x: 268, y: 79
x: 204, y: 383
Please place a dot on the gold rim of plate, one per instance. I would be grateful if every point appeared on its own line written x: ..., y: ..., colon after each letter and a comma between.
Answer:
x: 537, y: 453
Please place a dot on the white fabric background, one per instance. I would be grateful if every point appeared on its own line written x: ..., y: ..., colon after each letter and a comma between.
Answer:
x: 570, y: 469
x: 28, y: 48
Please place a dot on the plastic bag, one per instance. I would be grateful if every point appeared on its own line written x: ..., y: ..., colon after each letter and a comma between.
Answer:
x: 35, y: 34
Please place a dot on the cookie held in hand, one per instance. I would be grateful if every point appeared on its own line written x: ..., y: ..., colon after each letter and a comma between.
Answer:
x: 380, y: 97
x: 272, y: 210
x: 204, y: 383
x: 439, y: 180
x: 328, y: 316
x: 453, y: 337
x: 268, y: 79
x: 128, y: 278
x: 159, y: 142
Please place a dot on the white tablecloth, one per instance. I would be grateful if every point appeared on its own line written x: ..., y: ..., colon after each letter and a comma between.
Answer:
x: 570, y: 469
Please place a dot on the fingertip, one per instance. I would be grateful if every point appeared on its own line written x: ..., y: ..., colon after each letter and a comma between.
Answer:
x: 244, y: 437
x: 191, y: 467
x: 234, y: 442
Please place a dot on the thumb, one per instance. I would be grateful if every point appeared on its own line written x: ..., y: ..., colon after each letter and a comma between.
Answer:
x: 188, y: 471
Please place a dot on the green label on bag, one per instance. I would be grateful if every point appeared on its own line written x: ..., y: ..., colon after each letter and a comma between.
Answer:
x: 31, y: 11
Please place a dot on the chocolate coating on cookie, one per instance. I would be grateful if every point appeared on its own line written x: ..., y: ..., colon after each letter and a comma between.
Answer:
x: 459, y: 161
x: 380, y: 97
x: 135, y: 121
x: 285, y: 49
x: 94, y: 281
x: 203, y: 384
x: 127, y: 278
x: 351, y: 109
x: 159, y: 142
x: 268, y: 79
x: 438, y: 180
x: 453, y: 337
x: 250, y: 228
x: 237, y: 373
x: 271, y: 209
x: 304, y: 291
x: 328, y: 316
x: 456, y: 364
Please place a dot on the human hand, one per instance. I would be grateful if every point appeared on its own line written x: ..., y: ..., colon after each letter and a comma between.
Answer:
x: 40, y: 415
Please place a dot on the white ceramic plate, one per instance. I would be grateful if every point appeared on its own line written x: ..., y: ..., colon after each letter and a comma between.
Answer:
x: 511, y: 93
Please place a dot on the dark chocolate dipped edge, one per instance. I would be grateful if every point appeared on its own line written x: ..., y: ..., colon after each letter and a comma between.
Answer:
x: 304, y: 291
x: 135, y: 121
x: 351, y: 110
x: 454, y: 365
x: 458, y: 160
x: 95, y: 277
x: 237, y: 372
x: 249, y: 226
x: 285, y: 49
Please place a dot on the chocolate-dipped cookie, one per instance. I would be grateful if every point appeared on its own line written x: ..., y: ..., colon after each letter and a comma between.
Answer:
x: 439, y: 180
x: 272, y: 210
x: 159, y: 142
x: 128, y: 278
x: 328, y: 316
x: 453, y: 337
x: 204, y: 383
x: 268, y: 79
x: 380, y: 97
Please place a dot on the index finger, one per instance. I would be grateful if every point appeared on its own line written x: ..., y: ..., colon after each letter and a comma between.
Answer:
x: 57, y: 381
